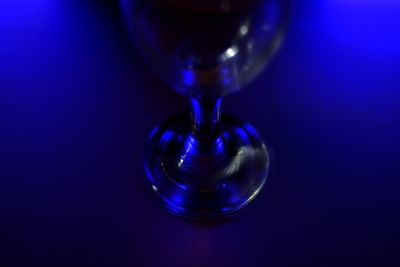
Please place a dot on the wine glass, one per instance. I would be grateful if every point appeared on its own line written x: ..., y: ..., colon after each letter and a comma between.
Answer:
x: 206, y: 165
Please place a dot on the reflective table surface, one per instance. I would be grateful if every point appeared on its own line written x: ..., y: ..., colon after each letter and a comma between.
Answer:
x: 77, y: 104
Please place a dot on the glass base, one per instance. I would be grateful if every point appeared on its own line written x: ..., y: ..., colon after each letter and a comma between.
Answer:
x: 198, y: 177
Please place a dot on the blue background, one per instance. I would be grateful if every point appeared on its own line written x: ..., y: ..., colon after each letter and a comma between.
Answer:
x: 77, y: 104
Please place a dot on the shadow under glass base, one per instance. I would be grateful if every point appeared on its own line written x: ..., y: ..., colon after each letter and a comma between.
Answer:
x: 206, y: 178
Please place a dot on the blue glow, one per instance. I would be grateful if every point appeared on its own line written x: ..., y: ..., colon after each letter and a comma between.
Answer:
x: 363, y: 26
x: 153, y: 132
x: 177, y: 199
x: 184, y: 187
x: 166, y: 137
x: 235, y: 197
x: 242, y: 134
x: 226, y: 76
x: 226, y: 209
x: 173, y: 202
x: 251, y: 130
x: 188, y: 77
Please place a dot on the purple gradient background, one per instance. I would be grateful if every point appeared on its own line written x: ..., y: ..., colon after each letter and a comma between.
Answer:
x: 77, y: 104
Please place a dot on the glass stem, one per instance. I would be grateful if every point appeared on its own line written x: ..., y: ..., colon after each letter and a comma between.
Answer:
x: 205, y: 117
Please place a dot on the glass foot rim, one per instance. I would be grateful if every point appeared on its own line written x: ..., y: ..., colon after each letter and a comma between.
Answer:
x: 153, y: 175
